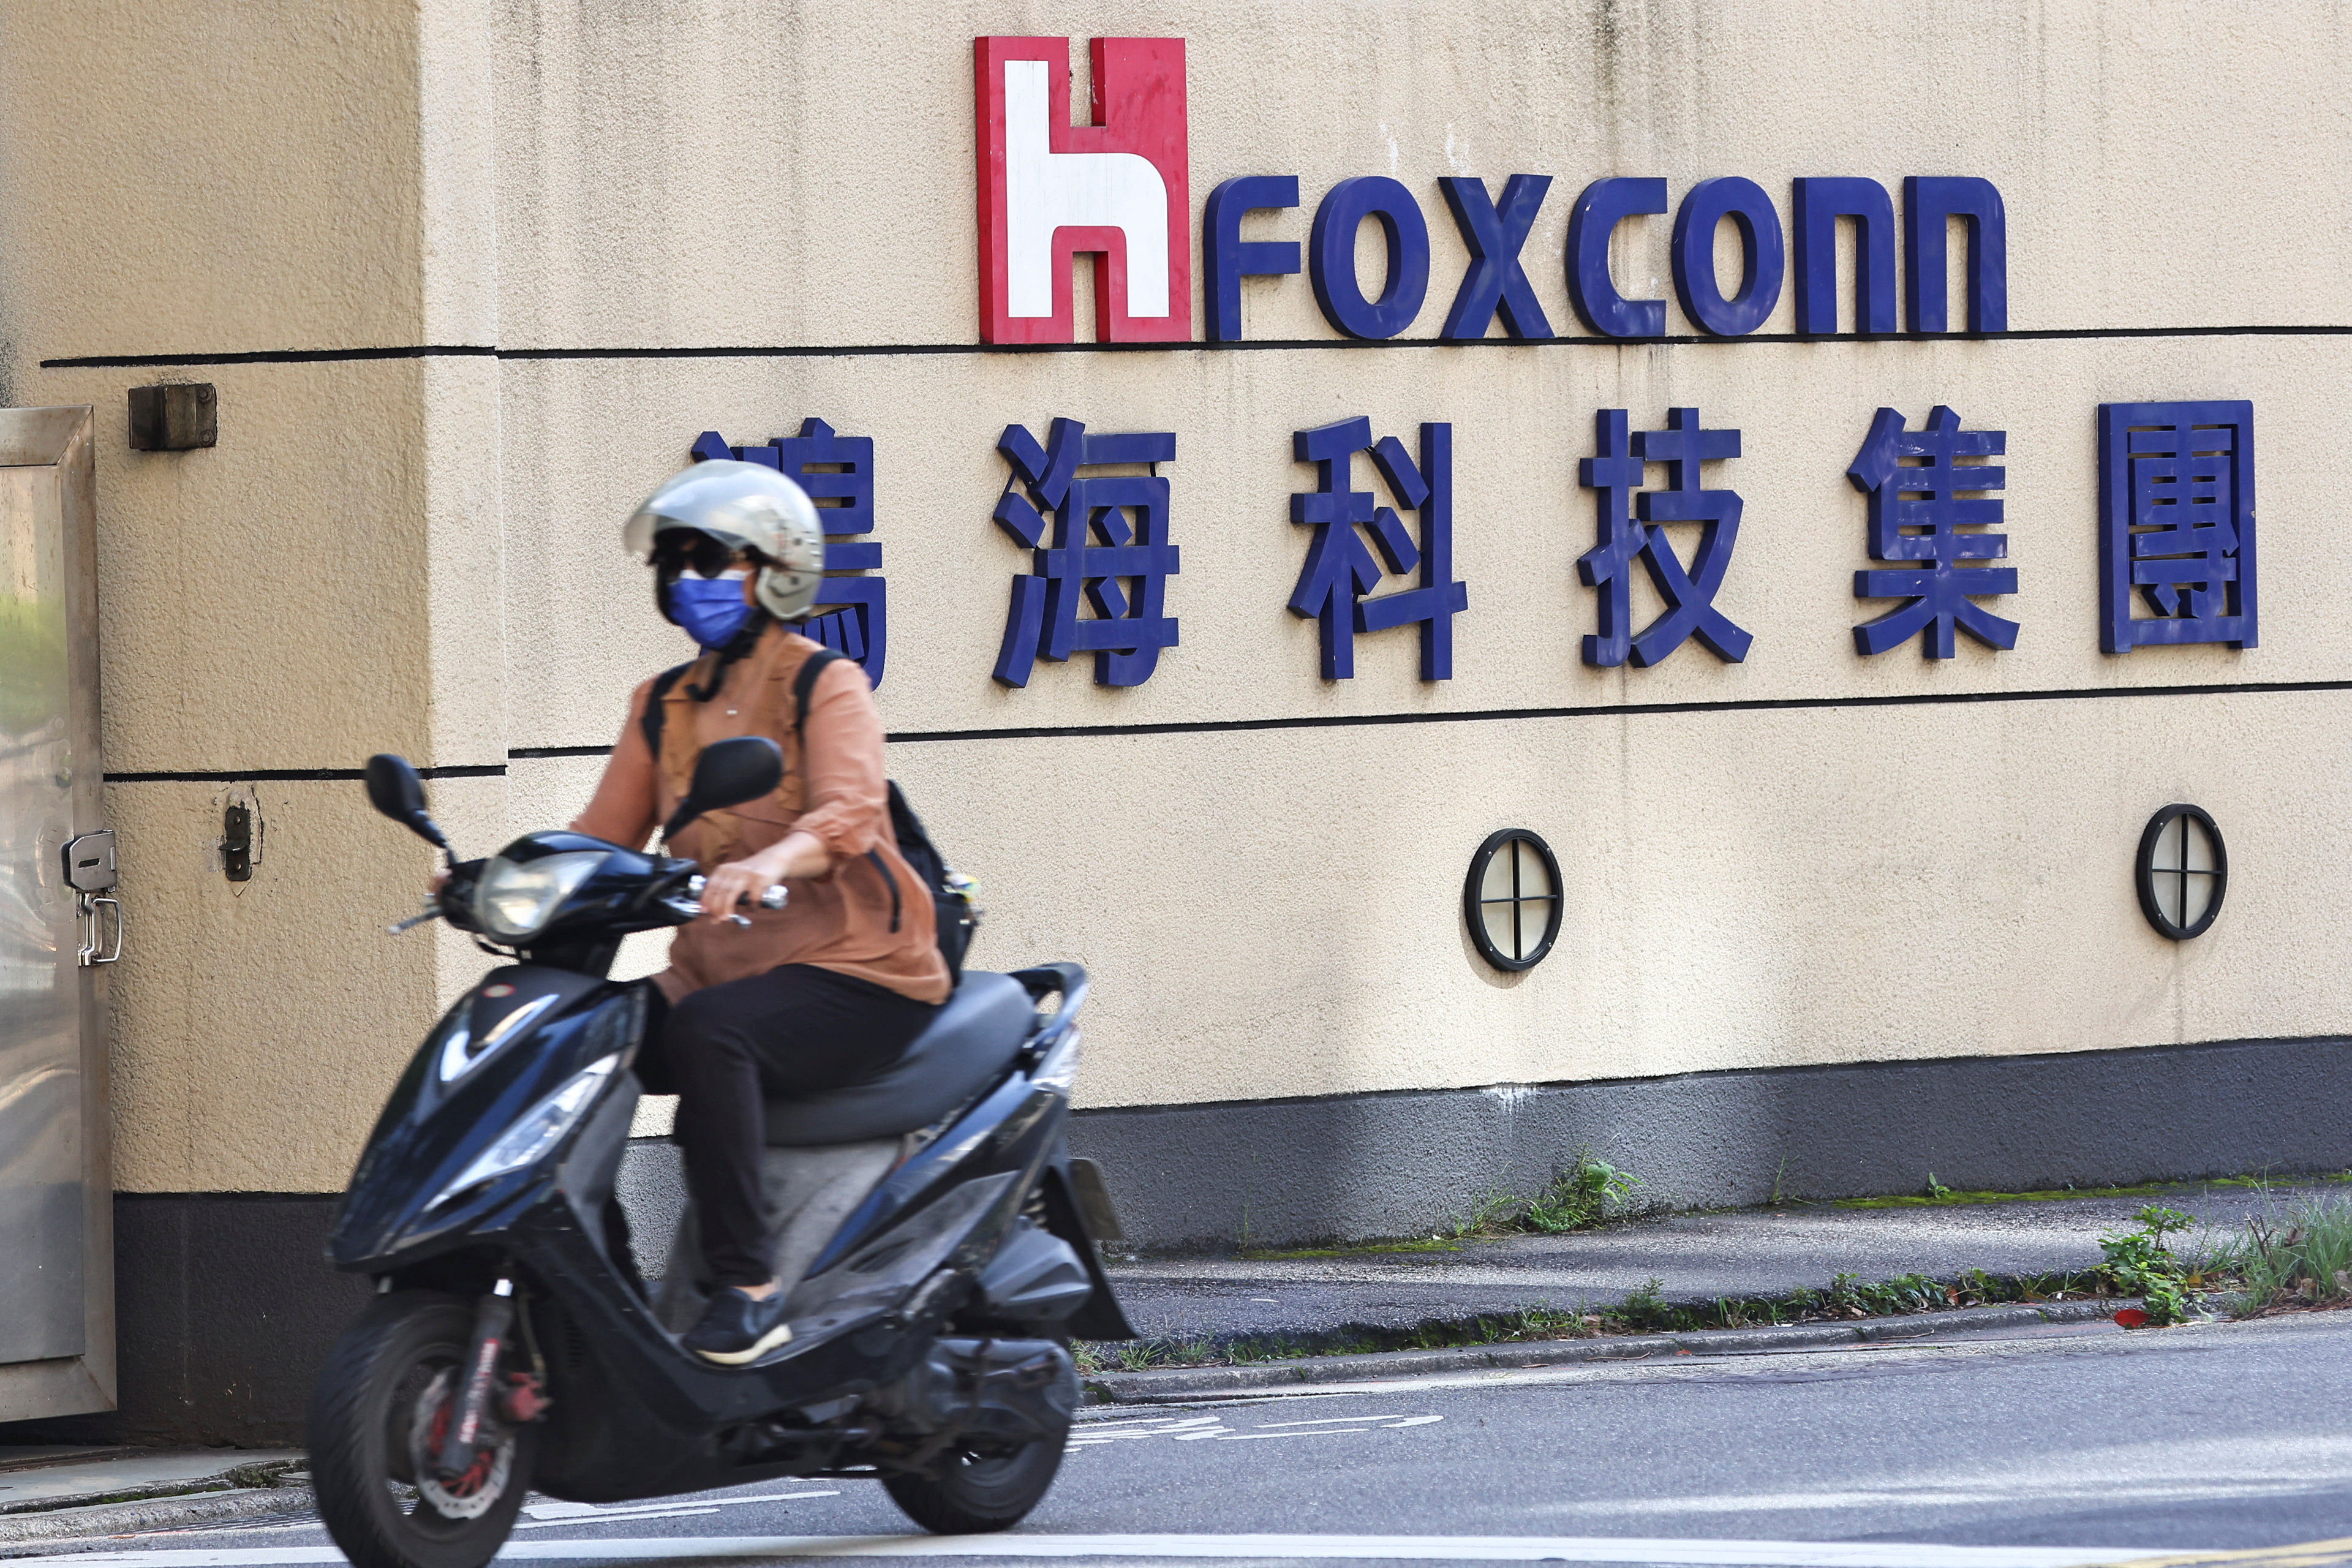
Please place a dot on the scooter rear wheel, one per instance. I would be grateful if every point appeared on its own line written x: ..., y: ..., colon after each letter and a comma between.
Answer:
x: 972, y: 1494
x: 383, y: 1401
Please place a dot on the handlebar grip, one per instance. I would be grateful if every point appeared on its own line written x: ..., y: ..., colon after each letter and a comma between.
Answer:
x: 774, y: 899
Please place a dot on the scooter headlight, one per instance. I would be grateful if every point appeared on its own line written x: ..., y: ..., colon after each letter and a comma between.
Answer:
x: 515, y: 899
x: 536, y: 1131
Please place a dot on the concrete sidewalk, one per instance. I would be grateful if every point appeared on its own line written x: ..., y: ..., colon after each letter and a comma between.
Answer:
x: 66, y: 1493
x: 1766, y: 1252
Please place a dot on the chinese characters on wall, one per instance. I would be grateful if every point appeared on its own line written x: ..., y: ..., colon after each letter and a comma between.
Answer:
x: 2175, y: 539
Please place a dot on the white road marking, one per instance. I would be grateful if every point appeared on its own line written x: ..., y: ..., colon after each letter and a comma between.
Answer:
x: 614, y: 1518
x: 1203, y: 1427
x: 1394, y: 1548
x: 556, y: 1510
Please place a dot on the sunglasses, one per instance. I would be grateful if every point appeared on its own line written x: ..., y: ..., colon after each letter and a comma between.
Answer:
x: 680, y: 551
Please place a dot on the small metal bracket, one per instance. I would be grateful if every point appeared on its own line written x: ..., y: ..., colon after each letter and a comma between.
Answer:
x: 89, y: 862
x: 237, y: 842
x: 177, y: 417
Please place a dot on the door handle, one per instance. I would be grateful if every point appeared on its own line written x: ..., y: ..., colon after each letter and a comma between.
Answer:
x: 93, y: 947
x: 89, y: 955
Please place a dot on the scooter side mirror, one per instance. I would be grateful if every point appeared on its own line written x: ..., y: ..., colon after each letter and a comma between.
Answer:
x: 730, y: 772
x: 393, y: 789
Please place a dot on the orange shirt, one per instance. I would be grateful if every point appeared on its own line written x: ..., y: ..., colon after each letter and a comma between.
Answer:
x: 851, y: 919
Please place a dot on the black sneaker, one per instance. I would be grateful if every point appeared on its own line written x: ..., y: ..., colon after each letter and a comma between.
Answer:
x: 735, y: 1329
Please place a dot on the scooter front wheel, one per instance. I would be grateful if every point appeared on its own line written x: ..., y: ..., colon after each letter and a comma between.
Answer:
x: 383, y: 1403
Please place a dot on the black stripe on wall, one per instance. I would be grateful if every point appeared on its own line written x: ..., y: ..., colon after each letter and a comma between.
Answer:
x: 867, y: 350
x: 1626, y: 710
x: 1335, y: 721
x: 308, y: 776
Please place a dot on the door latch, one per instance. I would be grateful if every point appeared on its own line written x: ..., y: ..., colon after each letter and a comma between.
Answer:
x: 89, y: 872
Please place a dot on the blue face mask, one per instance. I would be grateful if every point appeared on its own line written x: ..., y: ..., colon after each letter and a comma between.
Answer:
x: 710, y: 611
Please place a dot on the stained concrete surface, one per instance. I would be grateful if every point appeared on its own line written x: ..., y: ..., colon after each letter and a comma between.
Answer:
x: 1696, y: 1258
x: 61, y: 1477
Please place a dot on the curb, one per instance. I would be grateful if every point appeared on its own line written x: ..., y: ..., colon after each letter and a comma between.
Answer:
x: 156, y: 1513
x: 237, y: 1478
x: 1176, y: 1383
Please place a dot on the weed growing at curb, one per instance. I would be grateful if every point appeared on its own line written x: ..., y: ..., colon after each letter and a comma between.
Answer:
x: 2138, y: 1265
x: 2295, y: 1260
x: 1581, y: 1196
x: 1586, y: 1193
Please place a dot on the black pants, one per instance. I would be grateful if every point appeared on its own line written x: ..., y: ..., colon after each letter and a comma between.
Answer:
x: 793, y: 1030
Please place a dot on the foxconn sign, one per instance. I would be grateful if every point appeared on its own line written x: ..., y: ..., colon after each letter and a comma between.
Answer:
x: 1049, y: 190
x: 1119, y: 188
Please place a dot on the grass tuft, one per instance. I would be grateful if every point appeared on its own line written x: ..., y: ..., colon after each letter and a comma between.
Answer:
x: 2296, y: 1257
x: 1579, y: 1198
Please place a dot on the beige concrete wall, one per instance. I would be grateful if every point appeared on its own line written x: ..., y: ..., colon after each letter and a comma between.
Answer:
x: 1275, y: 912
x: 1744, y: 889
x: 734, y: 171
x: 226, y: 175
x: 322, y: 585
x: 421, y: 554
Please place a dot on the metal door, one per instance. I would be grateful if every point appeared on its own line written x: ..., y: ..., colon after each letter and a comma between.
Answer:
x: 59, y: 929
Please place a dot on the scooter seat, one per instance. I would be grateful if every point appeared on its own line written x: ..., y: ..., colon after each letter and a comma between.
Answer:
x: 973, y: 1038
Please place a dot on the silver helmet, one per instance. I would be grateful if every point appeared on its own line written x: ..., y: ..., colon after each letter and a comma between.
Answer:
x: 743, y: 506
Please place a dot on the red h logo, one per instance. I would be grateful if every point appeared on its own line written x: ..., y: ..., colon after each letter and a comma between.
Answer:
x: 1049, y: 190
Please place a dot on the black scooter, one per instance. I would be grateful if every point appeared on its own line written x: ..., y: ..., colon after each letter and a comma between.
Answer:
x: 936, y: 1241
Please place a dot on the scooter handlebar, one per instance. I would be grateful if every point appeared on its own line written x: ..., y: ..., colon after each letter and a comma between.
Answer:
x: 774, y: 898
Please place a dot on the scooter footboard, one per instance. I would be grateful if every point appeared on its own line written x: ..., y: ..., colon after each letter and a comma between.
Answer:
x: 808, y: 1194
x: 881, y: 1272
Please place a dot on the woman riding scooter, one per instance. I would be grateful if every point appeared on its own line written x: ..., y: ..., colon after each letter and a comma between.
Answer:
x: 506, y: 1343
x: 827, y: 991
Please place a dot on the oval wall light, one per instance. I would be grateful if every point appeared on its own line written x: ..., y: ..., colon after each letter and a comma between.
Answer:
x: 1512, y: 899
x: 2182, y: 871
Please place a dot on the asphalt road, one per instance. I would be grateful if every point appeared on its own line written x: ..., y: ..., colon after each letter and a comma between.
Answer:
x: 2062, y: 1447
x: 1757, y: 1252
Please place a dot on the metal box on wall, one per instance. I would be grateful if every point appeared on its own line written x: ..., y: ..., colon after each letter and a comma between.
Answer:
x: 58, y: 928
